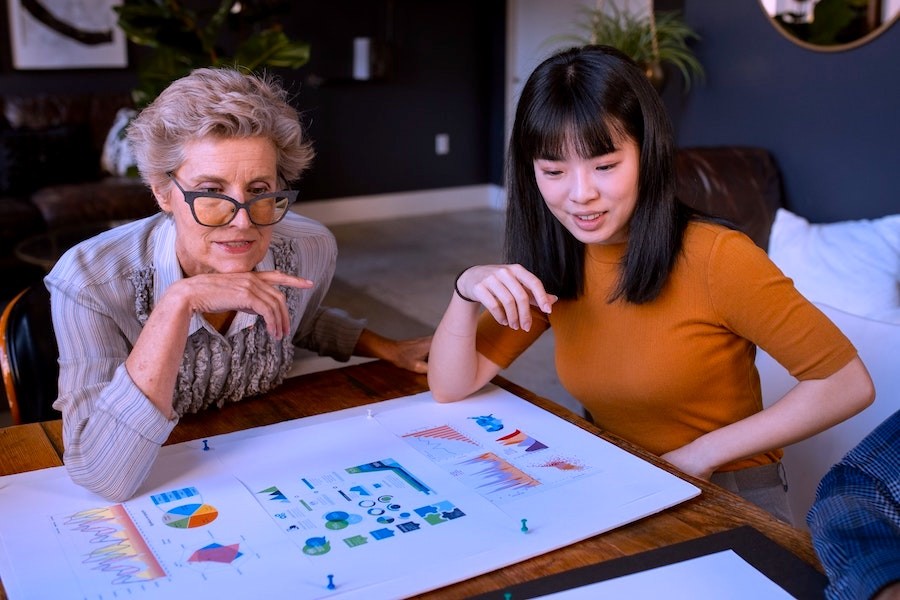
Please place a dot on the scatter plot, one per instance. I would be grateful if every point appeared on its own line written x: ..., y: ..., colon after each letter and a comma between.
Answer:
x: 562, y: 464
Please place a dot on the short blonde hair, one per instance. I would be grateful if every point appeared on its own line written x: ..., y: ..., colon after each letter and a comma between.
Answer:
x: 223, y: 103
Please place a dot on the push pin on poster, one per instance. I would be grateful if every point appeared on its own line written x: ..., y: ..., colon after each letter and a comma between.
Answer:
x: 369, y: 413
x: 331, y: 585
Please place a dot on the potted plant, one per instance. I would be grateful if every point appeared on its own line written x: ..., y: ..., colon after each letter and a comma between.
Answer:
x: 652, y: 40
x: 181, y: 38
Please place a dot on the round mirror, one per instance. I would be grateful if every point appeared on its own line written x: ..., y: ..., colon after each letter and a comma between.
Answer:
x: 832, y: 25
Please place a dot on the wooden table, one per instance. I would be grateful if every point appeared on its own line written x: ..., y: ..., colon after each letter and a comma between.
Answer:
x: 39, y: 445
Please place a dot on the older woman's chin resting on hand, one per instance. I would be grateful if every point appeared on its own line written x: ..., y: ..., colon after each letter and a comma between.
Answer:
x: 203, y: 303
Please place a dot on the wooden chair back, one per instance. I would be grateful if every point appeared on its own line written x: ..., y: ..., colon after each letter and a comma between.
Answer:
x: 29, y: 356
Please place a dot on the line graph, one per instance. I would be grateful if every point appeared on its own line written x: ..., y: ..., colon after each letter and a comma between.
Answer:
x: 441, y: 443
x: 108, y: 543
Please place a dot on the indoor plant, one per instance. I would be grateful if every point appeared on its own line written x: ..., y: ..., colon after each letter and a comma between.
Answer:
x: 235, y: 33
x: 652, y: 40
x: 181, y: 38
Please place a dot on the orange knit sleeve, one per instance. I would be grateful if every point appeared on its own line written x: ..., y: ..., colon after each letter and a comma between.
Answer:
x: 763, y: 306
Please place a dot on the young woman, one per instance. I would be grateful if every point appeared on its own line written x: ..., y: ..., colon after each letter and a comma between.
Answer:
x: 656, y: 311
x: 203, y: 303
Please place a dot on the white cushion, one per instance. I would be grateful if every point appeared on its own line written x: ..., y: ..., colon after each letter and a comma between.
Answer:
x: 851, y: 265
x: 806, y: 462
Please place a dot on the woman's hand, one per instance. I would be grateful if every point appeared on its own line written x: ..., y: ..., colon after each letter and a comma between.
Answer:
x: 154, y: 361
x: 411, y: 354
x: 810, y: 407
x: 456, y: 368
x: 506, y: 291
x: 255, y: 292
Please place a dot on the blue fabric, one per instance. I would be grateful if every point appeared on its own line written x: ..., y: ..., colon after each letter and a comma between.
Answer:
x: 855, y: 519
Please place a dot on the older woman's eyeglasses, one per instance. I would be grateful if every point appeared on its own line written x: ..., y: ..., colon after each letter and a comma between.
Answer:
x: 215, y: 210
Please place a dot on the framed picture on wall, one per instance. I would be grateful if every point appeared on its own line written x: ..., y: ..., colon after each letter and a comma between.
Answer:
x: 65, y: 34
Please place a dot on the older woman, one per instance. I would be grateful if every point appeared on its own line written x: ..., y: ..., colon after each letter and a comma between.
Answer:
x: 203, y: 303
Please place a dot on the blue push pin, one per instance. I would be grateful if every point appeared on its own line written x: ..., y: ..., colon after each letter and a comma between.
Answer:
x: 524, y: 526
x: 507, y: 596
x: 330, y: 585
x: 205, y: 445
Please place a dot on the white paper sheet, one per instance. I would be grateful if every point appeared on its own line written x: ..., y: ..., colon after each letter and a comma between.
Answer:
x: 389, y: 500
x: 711, y: 577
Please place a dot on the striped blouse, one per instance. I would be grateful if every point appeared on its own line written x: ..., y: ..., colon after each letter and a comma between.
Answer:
x: 102, y: 292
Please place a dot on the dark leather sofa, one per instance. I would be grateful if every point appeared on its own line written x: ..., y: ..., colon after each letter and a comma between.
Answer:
x: 50, y: 175
x: 740, y: 184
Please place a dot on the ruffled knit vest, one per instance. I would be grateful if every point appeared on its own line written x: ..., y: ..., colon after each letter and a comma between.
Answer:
x: 216, y: 369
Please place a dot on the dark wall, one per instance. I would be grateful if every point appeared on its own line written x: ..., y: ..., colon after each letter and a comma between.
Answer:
x: 829, y: 118
x: 445, y: 75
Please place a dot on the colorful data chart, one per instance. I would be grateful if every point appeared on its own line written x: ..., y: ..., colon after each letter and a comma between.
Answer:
x: 190, y: 515
x: 216, y: 553
x: 562, y: 464
x: 489, y: 475
x: 442, y: 443
x: 107, y: 542
x: 522, y: 440
x: 489, y: 423
x: 394, y: 467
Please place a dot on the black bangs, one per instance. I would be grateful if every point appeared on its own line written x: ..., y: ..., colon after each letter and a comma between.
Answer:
x: 589, y: 101
x: 571, y: 123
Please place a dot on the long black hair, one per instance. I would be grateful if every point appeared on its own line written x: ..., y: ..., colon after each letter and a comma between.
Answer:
x: 587, y: 98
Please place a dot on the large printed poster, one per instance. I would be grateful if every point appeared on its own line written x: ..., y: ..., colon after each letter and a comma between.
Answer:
x: 386, y: 501
x: 65, y: 34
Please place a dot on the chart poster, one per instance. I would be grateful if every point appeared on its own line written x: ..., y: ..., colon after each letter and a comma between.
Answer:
x: 386, y: 501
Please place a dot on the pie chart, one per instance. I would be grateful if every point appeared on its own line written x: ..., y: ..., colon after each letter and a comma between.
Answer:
x: 190, y: 515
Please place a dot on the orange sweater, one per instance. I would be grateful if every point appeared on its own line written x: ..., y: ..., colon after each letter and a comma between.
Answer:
x: 662, y: 374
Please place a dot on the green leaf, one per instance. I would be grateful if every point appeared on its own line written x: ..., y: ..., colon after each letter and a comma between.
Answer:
x: 271, y: 48
x: 210, y: 33
x: 184, y: 39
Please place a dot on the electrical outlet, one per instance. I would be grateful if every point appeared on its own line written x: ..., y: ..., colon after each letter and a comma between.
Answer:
x: 442, y: 144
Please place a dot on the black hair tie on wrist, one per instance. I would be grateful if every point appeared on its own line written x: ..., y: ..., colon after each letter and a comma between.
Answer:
x: 456, y: 286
